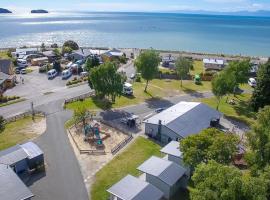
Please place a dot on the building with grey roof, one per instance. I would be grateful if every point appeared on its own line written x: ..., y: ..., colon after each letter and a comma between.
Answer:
x: 132, y: 188
x: 11, y: 186
x: 18, y: 159
x: 213, y: 64
x: 174, y: 154
x: 81, y: 54
x: 179, y: 121
x: 165, y: 175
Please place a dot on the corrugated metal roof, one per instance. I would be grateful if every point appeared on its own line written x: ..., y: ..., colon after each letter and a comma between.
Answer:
x: 31, y: 149
x: 11, y: 187
x: 172, y: 113
x: 165, y: 170
x: 12, y: 155
x: 194, y: 121
x: 213, y: 61
x: 132, y: 188
x: 172, y: 149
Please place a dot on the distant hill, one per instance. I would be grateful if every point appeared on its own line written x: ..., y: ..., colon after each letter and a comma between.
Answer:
x: 3, y: 10
x: 259, y: 13
x: 39, y: 11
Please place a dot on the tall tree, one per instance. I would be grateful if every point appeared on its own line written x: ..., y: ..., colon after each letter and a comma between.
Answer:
x: 223, y: 84
x: 183, y: 65
x: 259, y: 139
x: 147, y: 64
x: 80, y: 115
x: 107, y: 81
x: 214, y: 181
x: 209, y: 144
x: 91, y: 62
x: 261, y: 94
x: 69, y: 45
x: 240, y: 70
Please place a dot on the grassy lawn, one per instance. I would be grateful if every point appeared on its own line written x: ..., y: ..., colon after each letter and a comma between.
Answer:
x: 12, y: 102
x: 16, y: 132
x: 198, y: 68
x: 240, y: 111
x: 157, y: 89
x: 3, y: 55
x: 123, y: 164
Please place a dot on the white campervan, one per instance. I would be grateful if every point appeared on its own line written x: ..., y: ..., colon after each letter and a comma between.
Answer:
x: 66, y: 74
x: 127, y: 89
x: 52, y: 73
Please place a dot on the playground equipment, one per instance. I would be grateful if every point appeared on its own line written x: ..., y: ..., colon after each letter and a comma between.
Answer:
x: 93, y: 133
x: 197, y: 79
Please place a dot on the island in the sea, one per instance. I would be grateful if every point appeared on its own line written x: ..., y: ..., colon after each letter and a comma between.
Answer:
x: 39, y: 11
x: 3, y: 10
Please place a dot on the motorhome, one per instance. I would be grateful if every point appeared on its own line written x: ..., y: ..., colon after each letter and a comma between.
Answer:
x: 66, y: 74
x: 52, y: 73
x: 127, y: 89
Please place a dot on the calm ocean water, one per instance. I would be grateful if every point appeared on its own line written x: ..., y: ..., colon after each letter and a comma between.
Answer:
x: 197, y: 33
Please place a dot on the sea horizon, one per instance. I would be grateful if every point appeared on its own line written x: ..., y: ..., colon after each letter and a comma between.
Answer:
x: 204, y: 33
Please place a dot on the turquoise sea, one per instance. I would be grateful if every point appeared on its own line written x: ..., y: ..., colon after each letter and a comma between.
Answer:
x: 187, y: 32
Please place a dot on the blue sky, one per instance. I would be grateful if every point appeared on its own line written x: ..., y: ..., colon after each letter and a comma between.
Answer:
x: 137, y: 5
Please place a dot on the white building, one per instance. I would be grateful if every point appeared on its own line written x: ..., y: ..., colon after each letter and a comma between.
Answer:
x: 213, y: 64
x: 179, y: 121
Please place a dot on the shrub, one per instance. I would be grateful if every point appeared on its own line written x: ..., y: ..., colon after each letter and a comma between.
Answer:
x: 138, y: 79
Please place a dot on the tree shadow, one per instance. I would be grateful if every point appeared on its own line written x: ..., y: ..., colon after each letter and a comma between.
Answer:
x: 104, y: 103
x: 243, y: 108
x: 156, y: 102
x: 110, y: 115
x: 193, y: 93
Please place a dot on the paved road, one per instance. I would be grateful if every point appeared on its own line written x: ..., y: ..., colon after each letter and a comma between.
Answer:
x: 63, y: 179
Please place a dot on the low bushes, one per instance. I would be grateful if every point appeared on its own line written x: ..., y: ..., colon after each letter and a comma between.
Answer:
x: 76, y: 81
x: 4, y: 99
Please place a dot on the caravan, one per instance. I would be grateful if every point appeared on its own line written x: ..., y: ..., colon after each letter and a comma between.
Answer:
x: 127, y: 89
x: 66, y: 74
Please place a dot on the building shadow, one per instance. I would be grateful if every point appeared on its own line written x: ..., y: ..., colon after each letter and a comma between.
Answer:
x: 34, y: 178
x: 110, y: 115
x: 155, y: 103
x: 193, y: 93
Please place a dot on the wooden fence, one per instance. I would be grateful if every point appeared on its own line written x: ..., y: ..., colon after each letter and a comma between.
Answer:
x: 22, y: 115
x: 121, y: 145
x: 80, y: 97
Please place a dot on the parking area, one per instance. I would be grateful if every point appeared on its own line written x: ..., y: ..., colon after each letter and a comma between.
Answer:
x: 36, y: 84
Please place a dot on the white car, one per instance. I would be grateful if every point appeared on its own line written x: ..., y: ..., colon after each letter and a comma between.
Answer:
x: 84, y: 74
x: 252, y: 82
x: 22, y: 63
x: 69, y: 65
x: 66, y: 74
x: 52, y: 73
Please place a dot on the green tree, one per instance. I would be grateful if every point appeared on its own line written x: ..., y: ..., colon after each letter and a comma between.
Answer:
x: 66, y: 50
x: 223, y: 84
x: 209, y: 144
x: 107, y: 81
x: 240, y: 70
x: 214, y: 181
x: 71, y: 44
x: 2, y: 124
x: 80, y: 115
x: 91, y: 62
x: 57, y: 66
x: 43, y: 47
x: 57, y: 52
x: 259, y: 140
x: 147, y: 64
x: 261, y: 94
x: 183, y: 65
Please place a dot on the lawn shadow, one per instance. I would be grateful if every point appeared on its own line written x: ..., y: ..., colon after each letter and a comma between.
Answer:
x: 193, y: 93
x: 149, y: 94
x: 156, y: 102
x: 104, y: 104
x: 243, y: 108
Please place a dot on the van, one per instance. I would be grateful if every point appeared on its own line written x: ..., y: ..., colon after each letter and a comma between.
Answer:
x: 22, y: 63
x: 127, y: 89
x: 66, y: 74
x: 52, y: 73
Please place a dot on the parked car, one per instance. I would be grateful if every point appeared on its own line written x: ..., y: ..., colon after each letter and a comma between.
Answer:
x: 66, y: 74
x: 17, y: 70
x: 22, y: 63
x: 52, y: 73
x: 132, y: 76
x: 69, y: 65
x: 252, y: 82
x: 84, y: 74
x: 23, y: 71
x: 79, y: 62
x: 127, y: 89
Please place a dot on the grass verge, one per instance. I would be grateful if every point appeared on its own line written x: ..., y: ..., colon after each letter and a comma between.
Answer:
x: 12, y: 102
x: 16, y: 132
x: 241, y: 111
x: 123, y: 164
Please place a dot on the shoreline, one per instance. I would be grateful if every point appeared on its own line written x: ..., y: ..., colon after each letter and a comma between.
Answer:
x: 194, y: 55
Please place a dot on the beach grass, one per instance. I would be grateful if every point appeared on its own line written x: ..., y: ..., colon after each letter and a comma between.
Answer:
x: 122, y: 165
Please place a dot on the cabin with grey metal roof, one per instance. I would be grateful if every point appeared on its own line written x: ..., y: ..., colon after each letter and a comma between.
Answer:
x: 11, y: 186
x: 181, y: 120
x: 174, y: 154
x: 132, y: 188
x: 165, y: 175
